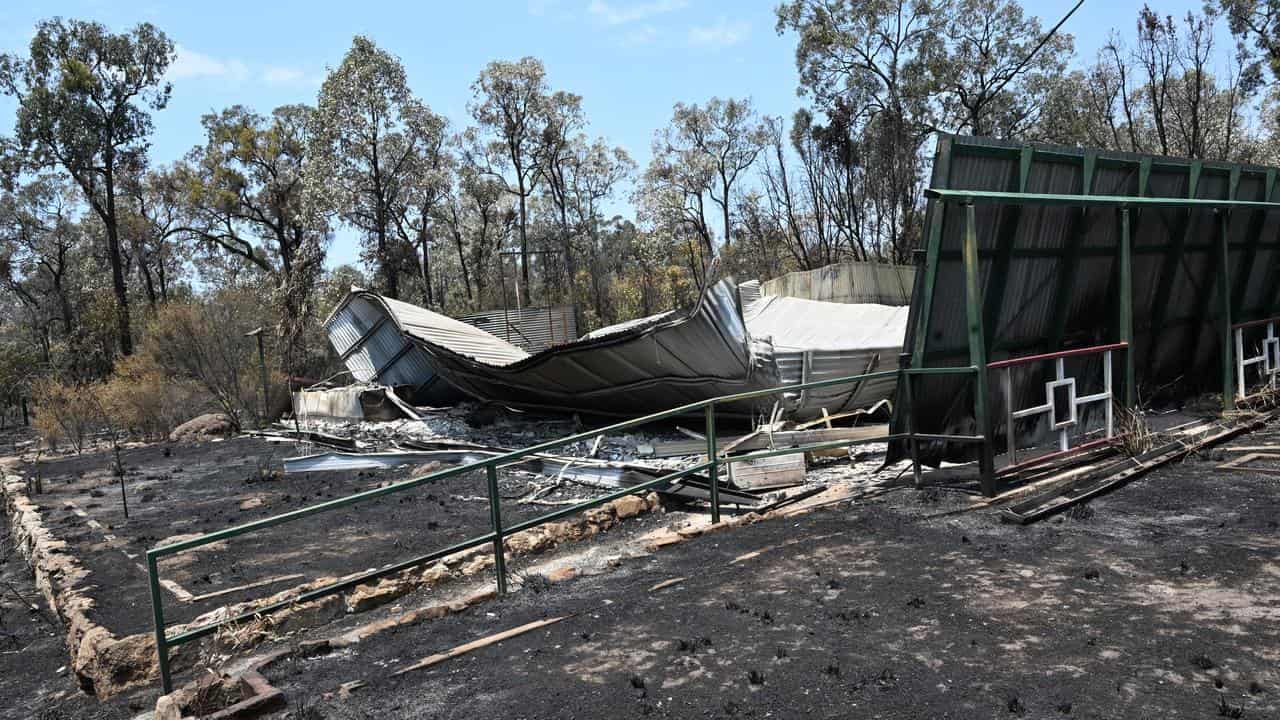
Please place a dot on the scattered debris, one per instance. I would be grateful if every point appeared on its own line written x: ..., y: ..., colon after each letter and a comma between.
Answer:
x: 1111, y: 475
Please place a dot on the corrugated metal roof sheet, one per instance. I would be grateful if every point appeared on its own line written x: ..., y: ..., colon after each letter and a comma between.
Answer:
x: 531, y: 329
x: 847, y: 282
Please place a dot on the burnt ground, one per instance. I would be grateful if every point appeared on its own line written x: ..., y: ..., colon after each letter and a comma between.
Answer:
x: 1160, y: 600
x: 191, y: 488
x: 35, y: 682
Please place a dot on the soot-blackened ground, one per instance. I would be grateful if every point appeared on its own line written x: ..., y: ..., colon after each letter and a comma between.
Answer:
x: 1159, y: 600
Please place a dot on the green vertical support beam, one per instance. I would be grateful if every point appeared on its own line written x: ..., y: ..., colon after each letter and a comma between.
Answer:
x: 495, y: 517
x: 713, y: 457
x: 977, y: 350
x: 1205, y: 303
x: 1006, y: 230
x: 1125, y: 303
x: 1224, y: 281
x: 1249, y: 258
x: 1270, y: 300
x: 1070, y: 265
x: 1169, y: 267
x: 933, y: 247
x: 1143, y: 168
x: 157, y: 616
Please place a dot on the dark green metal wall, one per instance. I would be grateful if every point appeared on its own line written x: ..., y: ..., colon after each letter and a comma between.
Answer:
x: 1050, y: 274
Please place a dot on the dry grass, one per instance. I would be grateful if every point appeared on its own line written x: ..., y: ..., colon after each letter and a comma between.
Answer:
x: 1136, y: 436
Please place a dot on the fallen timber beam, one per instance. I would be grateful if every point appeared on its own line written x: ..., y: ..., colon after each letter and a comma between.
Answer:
x: 1089, y: 486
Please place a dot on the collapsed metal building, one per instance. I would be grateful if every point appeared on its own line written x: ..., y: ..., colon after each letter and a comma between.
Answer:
x: 733, y: 340
x: 1055, y: 284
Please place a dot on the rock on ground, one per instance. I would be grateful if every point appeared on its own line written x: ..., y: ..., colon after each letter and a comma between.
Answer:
x: 207, y: 425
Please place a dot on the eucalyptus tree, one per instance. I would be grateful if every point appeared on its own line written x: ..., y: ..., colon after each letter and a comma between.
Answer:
x: 994, y: 72
x: 243, y: 198
x: 84, y: 96
x: 556, y: 156
x: 509, y: 101
x: 39, y: 233
x: 369, y: 145
x: 699, y: 158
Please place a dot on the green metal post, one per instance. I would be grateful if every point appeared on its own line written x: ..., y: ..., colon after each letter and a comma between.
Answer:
x: 713, y: 457
x: 1224, y: 280
x: 933, y: 248
x: 157, y: 616
x: 495, y: 515
x: 977, y: 350
x: 1126, y: 310
x: 908, y: 409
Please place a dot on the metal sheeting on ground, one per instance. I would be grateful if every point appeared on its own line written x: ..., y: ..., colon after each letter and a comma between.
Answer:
x: 593, y: 473
x: 848, y: 282
x: 1049, y: 273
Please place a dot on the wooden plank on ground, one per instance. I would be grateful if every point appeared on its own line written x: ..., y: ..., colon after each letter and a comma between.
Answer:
x: 768, y: 473
x: 465, y: 648
x: 667, y: 583
x: 1241, y: 464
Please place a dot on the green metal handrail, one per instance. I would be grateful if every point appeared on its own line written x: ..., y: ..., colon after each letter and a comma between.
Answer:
x: 497, y: 533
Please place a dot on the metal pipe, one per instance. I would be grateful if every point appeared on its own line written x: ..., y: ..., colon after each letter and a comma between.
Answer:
x: 495, y: 517
x: 157, y: 616
x: 713, y: 458
x: 909, y: 408
x: 1073, y: 352
x: 1011, y: 441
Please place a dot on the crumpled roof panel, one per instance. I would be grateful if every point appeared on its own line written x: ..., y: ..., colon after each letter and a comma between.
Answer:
x: 670, y: 359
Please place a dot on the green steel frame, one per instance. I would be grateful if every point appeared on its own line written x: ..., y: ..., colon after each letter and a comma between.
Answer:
x: 498, y: 532
x: 979, y: 342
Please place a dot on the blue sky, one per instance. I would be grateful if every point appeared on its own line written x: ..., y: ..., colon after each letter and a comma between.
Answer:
x: 631, y: 60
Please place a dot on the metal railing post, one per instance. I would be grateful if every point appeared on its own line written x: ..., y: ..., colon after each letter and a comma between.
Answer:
x: 157, y: 615
x: 1108, y: 388
x: 1240, y: 384
x: 1271, y: 351
x: 495, y: 516
x: 1011, y: 440
x: 909, y: 408
x: 713, y: 457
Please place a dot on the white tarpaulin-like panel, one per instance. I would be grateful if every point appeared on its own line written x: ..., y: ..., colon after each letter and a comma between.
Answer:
x: 796, y: 324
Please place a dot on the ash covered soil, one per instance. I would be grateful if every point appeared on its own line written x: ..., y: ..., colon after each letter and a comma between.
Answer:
x: 1161, y: 599
x: 179, y: 489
